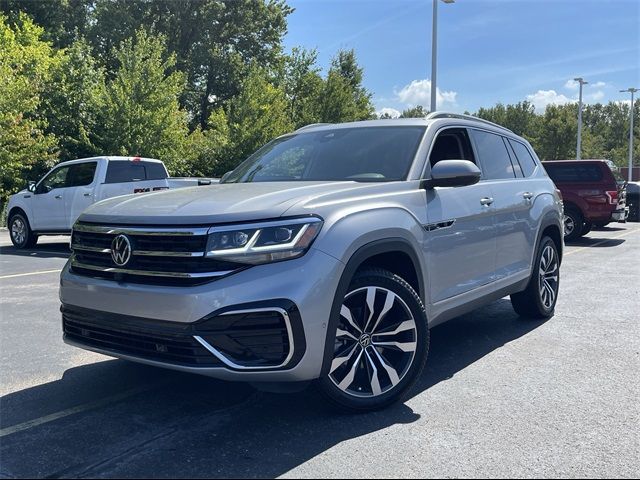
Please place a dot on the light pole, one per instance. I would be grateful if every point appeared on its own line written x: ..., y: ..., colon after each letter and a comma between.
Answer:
x: 434, y: 52
x: 581, y: 81
x: 632, y: 91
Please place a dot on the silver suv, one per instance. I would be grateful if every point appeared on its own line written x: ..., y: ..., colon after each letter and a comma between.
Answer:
x: 327, y: 255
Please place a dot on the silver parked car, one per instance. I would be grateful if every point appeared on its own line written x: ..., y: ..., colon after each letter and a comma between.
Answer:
x: 327, y: 255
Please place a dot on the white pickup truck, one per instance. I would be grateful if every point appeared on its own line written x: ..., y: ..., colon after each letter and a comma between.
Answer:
x: 52, y: 205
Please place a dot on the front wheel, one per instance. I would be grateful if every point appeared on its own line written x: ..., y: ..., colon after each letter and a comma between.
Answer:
x: 573, y: 222
x: 381, y: 343
x: 20, y: 232
x: 539, y: 299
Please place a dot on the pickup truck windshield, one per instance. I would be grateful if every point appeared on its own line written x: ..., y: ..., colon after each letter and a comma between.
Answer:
x: 365, y: 154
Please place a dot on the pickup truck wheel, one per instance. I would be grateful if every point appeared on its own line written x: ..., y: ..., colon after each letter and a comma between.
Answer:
x: 539, y: 299
x: 573, y: 221
x: 586, y: 228
x: 20, y: 232
x: 381, y: 343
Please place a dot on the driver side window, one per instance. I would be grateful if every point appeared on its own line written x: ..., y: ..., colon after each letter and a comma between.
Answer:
x: 451, y: 144
x: 56, y: 179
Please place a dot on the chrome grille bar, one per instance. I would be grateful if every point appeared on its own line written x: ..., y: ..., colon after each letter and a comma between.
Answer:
x: 148, y: 273
x: 156, y: 231
x: 145, y: 253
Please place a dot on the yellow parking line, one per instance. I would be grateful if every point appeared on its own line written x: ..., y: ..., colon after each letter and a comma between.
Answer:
x: 71, y: 411
x: 41, y: 272
x: 603, y: 241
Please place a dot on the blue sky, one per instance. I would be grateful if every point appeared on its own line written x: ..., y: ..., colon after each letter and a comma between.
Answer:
x: 489, y: 51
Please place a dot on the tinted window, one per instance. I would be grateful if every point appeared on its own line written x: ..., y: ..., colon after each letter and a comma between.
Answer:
x: 526, y: 161
x: 56, y: 179
x: 122, y: 171
x: 451, y: 144
x: 81, y: 174
x: 360, y: 154
x: 493, y: 154
x: 575, y: 173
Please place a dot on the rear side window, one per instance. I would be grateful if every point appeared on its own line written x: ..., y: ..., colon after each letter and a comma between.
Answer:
x: 122, y: 171
x: 81, y: 174
x: 493, y: 154
x: 524, y: 157
x: 574, y: 173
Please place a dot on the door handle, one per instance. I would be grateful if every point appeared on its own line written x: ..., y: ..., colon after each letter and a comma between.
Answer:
x: 527, y: 195
x: 58, y: 197
x: 486, y: 201
x: 87, y: 194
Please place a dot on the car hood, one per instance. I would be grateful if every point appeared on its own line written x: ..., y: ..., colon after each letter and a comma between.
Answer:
x: 232, y: 202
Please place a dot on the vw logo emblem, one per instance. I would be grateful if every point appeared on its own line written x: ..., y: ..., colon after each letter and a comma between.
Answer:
x: 365, y: 340
x: 121, y: 250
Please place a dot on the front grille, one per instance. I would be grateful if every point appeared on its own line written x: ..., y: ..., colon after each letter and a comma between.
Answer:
x: 166, y: 256
x: 95, y: 330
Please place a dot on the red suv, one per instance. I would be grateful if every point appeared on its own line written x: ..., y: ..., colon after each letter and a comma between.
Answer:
x: 591, y: 193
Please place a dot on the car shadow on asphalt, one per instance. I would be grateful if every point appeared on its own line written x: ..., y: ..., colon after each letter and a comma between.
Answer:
x: 596, y: 242
x: 45, y: 250
x: 192, y: 426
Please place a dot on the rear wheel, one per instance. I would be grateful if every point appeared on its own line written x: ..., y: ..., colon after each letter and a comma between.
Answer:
x: 586, y: 228
x: 572, y: 223
x: 381, y: 343
x: 601, y: 224
x: 538, y: 300
x: 20, y: 232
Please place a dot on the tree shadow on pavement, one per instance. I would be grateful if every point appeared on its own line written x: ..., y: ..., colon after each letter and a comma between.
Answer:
x: 190, y: 426
x: 596, y: 242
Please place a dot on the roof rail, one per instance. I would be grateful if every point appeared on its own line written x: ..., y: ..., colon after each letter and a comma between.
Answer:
x: 436, y: 115
x: 311, y: 125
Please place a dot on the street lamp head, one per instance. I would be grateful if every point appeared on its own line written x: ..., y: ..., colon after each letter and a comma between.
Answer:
x: 629, y: 90
x: 580, y: 80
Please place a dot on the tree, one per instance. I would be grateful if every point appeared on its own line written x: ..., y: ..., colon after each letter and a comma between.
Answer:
x: 303, y: 85
x: 414, y: 112
x: 25, y: 60
x: 558, y: 127
x: 140, y: 114
x: 257, y: 115
x: 344, y: 99
x: 71, y: 101
x: 206, y: 150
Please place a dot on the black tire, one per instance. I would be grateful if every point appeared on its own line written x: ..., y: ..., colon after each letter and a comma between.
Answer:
x: 532, y: 303
x: 364, y: 354
x: 586, y: 228
x: 573, y: 221
x: 20, y: 231
x: 601, y: 224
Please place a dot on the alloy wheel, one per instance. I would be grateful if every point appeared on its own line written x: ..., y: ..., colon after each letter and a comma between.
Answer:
x: 376, y: 342
x: 18, y: 230
x: 569, y: 225
x: 548, y: 286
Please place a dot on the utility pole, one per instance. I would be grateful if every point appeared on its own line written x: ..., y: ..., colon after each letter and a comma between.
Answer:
x: 632, y: 91
x: 581, y: 81
x: 434, y: 52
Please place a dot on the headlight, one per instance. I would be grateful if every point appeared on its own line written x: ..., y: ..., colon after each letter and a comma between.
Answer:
x: 256, y: 243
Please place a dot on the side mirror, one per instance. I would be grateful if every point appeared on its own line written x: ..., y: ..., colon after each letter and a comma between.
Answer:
x: 32, y: 186
x: 225, y: 176
x: 453, y: 173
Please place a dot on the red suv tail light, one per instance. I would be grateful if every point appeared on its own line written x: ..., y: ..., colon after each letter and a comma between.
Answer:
x: 613, y: 196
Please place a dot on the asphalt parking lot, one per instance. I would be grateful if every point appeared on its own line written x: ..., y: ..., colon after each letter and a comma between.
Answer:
x: 500, y: 397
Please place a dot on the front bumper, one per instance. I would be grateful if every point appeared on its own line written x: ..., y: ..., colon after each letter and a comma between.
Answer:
x: 155, y: 315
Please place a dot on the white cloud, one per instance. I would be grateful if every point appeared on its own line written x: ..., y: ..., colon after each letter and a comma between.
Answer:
x: 542, y: 98
x: 392, y: 112
x: 597, y: 96
x: 571, y: 84
x: 599, y: 85
x: 418, y: 92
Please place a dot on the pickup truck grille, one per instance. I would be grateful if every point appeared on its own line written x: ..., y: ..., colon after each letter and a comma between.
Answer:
x: 158, y: 255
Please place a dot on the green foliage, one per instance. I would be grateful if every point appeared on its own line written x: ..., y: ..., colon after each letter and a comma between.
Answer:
x: 257, y: 115
x: 415, y: 112
x: 139, y: 113
x: 71, y: 101
x: 303, y: 87
x: 344, y: 99
x: 206, y: 150
x: 25, y: 62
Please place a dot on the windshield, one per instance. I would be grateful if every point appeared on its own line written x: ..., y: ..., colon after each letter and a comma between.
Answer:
x: 365, y: 154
